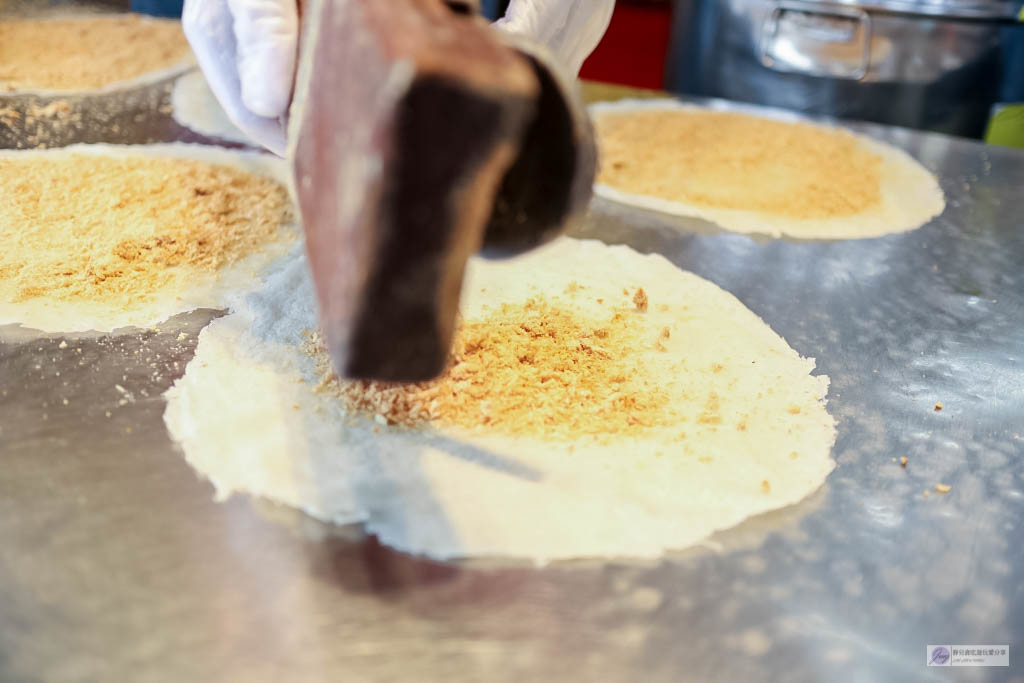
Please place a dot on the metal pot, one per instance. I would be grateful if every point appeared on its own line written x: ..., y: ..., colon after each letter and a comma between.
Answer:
x: 931, y: 64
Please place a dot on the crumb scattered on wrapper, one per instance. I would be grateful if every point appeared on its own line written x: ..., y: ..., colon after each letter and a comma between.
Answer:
x: 766, y: 486
x: 903, y: 461
x: 938, y: 407
x: 640, y: 300
x: 943, y: 488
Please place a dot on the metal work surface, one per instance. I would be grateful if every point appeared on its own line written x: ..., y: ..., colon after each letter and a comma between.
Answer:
x: 117, y: 565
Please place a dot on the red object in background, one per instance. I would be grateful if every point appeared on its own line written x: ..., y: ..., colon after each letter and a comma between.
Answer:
x: 633, y: 50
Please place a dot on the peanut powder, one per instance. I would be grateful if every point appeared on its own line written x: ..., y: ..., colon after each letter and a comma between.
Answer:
x: 534, y: 444
x: 529, y: 369
x: 98, y: 229
x: 86, y: 53
x: 735, y: 161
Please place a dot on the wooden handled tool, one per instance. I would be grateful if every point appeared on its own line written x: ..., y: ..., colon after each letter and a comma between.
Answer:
x: 420, y: 135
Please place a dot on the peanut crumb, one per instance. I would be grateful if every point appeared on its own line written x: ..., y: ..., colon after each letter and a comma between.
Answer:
x: 766, y: 486
x: 711, y: 408
x: 117, y: 230
x: 938, y: 407
x: 793, y: 455
x: 666, y: 333
x: 86, y: 53
x: 640, y: 300
x: 55, y: 109
x: 903, y: 462
x: 532, y: 368
x: 943, y: 488
x: 737, y: 161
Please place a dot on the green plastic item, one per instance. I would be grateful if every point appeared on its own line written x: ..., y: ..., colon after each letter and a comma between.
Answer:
x: 1006, y: 127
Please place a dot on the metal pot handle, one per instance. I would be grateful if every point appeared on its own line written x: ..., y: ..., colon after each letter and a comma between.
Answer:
x: 817, y: 40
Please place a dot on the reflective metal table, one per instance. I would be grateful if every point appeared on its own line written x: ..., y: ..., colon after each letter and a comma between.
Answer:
x: 116, y: 565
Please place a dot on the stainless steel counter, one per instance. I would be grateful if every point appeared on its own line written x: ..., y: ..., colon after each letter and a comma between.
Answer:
x: 116, y: 565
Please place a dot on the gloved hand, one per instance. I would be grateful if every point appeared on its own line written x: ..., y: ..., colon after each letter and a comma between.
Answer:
x: 247, y: 51
x: 248, y: 48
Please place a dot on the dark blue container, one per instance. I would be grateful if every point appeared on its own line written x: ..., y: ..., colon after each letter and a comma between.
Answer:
x: 159, y: 8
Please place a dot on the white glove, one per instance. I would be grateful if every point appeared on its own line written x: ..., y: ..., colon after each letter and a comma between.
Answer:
x: 247, y: 51
x: 248, y: 48
x: 570, y: 29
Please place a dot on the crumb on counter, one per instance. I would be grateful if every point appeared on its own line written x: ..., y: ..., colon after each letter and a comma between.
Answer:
x: 938, y: 407
x: 943, y: 488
